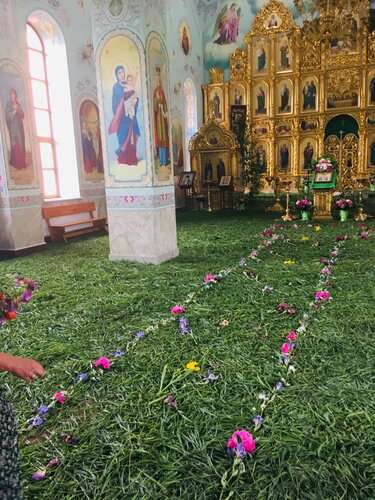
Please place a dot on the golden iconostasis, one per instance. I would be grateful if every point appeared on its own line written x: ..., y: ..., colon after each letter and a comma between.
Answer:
x: 302, y: 95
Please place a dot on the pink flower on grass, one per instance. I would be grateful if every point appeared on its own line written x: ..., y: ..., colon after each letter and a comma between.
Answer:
x: 241, y: 443
x: 59, y: 397
x: 286, y: 348
x: 253, y: 254
x: 177, y: 309
x: 209, y: 278
x: 292, y: 336
x: 326, y: 271
x: 103, y: 362
x: 322, y: 295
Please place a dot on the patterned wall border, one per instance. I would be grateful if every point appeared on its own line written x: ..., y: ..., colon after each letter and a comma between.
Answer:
x: 141, y: 199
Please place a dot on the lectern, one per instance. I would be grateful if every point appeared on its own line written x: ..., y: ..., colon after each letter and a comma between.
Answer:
x: 323, y: 186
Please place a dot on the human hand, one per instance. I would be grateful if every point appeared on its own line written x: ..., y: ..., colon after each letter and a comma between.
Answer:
x: 25, y: 368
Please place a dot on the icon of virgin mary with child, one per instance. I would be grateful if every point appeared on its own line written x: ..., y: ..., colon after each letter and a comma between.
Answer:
x: 125, y: 102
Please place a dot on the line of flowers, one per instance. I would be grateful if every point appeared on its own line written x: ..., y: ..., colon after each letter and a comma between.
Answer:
x: 242, y: 443
x: 103, y: 364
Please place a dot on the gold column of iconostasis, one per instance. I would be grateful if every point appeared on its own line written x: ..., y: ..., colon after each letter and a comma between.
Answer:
x: 289, y: 86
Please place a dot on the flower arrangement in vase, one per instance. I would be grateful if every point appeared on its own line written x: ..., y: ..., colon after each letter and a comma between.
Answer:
x: 325, y: 165
x: 304, y: 206
x: 344, y: 204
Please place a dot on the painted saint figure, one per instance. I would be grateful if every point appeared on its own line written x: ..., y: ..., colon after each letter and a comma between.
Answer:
x: 285, y: 106
x: 284, y: 157
x: 216, y: 101
x: 220, y: 169
x: 227, y: 25
x: 309, y: 96
x: 272, y: 23
x: 124, y: 123
x: 261, y: 59
x: 14, y: 116
x: 208, y: 171
x: 161, y: 123
x: 308, y: 154
x: 284, y: 56
x: 261, y: 99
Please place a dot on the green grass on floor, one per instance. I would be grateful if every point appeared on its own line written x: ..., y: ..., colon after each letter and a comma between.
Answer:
x: 318, y: 438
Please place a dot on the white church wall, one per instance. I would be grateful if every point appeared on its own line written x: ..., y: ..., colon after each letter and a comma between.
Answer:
x: 74, y: 19
x: 183, y: 65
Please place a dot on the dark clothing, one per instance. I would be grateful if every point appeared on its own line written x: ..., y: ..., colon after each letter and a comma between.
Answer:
x: 10, y: 487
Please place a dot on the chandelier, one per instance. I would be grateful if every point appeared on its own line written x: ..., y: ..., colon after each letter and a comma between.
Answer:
x: 333, y: 21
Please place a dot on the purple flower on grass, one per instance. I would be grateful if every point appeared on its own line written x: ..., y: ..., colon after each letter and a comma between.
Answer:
x: 54, y: 462
x: 139, y: 335
x: 183, y: 325
x: 26, y: 296
x: 36, y: 421
x: 258, y: 421
x: 280, y: 386
x: 43, y: 410
x: 117, y: 354
x: 39, y: 475
x: 170, y: 400
x: 82, y: 377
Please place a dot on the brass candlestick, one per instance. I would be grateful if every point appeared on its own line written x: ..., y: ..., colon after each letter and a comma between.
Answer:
x: 209, y: 208
x: 274, y: 183
x: 287, y: 217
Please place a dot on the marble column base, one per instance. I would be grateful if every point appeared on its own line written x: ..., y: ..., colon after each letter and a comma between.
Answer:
x: 21, y: 229
x: 146, y: 236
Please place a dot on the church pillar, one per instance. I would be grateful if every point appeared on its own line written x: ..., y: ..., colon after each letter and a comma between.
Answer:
x: 134, y: 105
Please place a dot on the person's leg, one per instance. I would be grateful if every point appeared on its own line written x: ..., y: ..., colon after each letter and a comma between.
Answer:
x: 10, y: 488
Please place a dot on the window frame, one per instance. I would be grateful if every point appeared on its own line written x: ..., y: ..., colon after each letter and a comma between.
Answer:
x: 43, y: 139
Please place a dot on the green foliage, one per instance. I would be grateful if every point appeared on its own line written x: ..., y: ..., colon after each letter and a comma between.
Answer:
x: 251, y: 170
x: 317, y: 438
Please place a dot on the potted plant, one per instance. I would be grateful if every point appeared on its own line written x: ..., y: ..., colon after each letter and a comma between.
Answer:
x: 304, y: 206
x: 344, y: 204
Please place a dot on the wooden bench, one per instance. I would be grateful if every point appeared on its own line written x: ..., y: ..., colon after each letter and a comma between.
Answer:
x: 62, y: 231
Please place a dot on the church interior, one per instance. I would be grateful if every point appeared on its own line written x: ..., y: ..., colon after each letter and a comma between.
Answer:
x: 187, y: 203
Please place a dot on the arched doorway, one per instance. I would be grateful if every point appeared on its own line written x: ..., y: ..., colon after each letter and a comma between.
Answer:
x: 341, y: 142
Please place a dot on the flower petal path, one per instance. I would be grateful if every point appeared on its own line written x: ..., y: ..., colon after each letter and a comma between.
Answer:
x: 206, y: 324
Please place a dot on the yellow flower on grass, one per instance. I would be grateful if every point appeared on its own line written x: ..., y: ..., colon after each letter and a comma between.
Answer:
x: 225, y: 322
x: 317, y: 228
x: 289, y: 262
x: 193, y: 366
x: 305, y: 238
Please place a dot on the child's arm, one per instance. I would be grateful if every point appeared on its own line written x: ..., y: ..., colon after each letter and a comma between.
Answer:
x: 25, y: 368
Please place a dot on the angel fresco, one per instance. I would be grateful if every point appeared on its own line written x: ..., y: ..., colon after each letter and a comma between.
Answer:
x: 227, y: 24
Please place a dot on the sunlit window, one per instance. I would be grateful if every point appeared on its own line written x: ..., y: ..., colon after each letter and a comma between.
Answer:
x: 42, y: 112
x: 52, y: 107
x: 191, y: 117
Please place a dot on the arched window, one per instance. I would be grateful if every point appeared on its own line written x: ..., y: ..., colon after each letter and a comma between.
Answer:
x: 48, y: 70
x: 191, y: 117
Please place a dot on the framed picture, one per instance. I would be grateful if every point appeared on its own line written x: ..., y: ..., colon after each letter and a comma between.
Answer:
x: 225, y: 181
x: 323, y: 176
x: 186, y: 180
